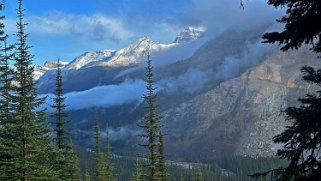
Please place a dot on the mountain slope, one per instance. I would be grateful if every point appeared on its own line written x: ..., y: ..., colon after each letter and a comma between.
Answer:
x: 240, y: 115
x: 111, y: 66
x: 216, y: 96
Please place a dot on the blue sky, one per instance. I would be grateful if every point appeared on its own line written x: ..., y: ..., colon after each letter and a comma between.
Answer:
x: 68, y: 28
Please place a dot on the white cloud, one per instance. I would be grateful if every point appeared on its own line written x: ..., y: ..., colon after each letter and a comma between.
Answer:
x: 93, y: 27
x: 103, y: 96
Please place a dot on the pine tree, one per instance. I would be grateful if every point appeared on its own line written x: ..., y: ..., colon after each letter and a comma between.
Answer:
x: 6, y: 119
x: 73, y: 164
x: 31, y: 130
x: 99, y: 160
x: 162, y: 166
x: 87, y: 176
x: 302, y: 25
x: 63, y: 164
x: 153, y: 137
x: 151, y: 127
x: 182, y: 178
x: 110, y: 169
x: 199, y: 175
x: 301, y: 140
x: 138, y: 174
x: 60, y: 114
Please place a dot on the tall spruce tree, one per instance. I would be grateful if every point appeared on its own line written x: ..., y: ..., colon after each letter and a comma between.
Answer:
x: 301, y: 140
x: 162, y: 165
x: 302, y: 25
x: 138, y: 174
x: 199, y: 175
x: 110, y: 169
x: 6, y: 122
x: 60, y: 114
x: 65, y: 155
x: 151, y: 128
x: 73, y: 164
x: 31, y: 130
x: 87, y: 176
x: 99, y: 160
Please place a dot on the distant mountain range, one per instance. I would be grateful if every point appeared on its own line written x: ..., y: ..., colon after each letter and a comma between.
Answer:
x: 217, y: 95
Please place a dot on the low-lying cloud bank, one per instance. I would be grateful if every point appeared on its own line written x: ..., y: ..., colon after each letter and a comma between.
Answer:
x: 189, y: 82
x: 102, y: 96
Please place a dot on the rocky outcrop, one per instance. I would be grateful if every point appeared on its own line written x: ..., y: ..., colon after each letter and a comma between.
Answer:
x: 241, y: 115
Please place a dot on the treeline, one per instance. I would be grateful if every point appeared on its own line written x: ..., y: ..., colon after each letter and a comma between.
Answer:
x: 225, y: 168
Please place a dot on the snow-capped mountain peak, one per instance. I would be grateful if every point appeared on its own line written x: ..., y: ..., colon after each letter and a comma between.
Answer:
x: 48, y: 65
x: 89, y: 58
x: 133, y: 53
x: 190, y: 34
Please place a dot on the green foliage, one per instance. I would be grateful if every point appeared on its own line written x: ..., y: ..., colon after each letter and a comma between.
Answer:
x: 156, y: 163
x: 228, y: 168
x: 301, y: 25
x: 60, y: 114
x: 87, y: 176
x: 302, y: 139
x: 110, y: 169
x: 162, y: 165
x: 6, y: 117
x: 99, y: 160
x: 30, y: 149
x: 199, y: 175
x: 67, y: 161
x: 73, y: 165
x: 138, y: 174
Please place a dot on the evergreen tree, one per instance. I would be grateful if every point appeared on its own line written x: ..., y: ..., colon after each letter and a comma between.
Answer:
x: 6, y: 122
x: 163, y: 170
x: 302, y: 25
x: 65, y: 152
x: 73, y: 164
x: 99, y: 160
x: 182, y: 178
x: 151, y: 127
x: 110, y: 169
x: 60, y: 114
x: 31, y: 130
x: 199, y: 175
x: 138, y: 174
x: 87, y: 176
x: 302, y: 139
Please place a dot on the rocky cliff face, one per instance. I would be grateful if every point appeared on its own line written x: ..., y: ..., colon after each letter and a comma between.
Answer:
x: 241, y: 115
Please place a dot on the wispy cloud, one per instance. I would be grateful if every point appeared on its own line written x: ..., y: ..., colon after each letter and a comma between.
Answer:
x: 103, y: 96
x: 96, y: 27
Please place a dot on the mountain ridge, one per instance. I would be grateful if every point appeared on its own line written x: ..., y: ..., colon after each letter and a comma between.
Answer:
x: 224, y: 98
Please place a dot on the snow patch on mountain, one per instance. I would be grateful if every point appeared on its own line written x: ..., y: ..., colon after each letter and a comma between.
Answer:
x: 135, y: 52
x: 89, y: 58
x: 190, y: 34
x: 48, y: 65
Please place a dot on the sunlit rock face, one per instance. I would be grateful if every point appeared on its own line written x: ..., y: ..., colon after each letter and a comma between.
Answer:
x: 241, y: 115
